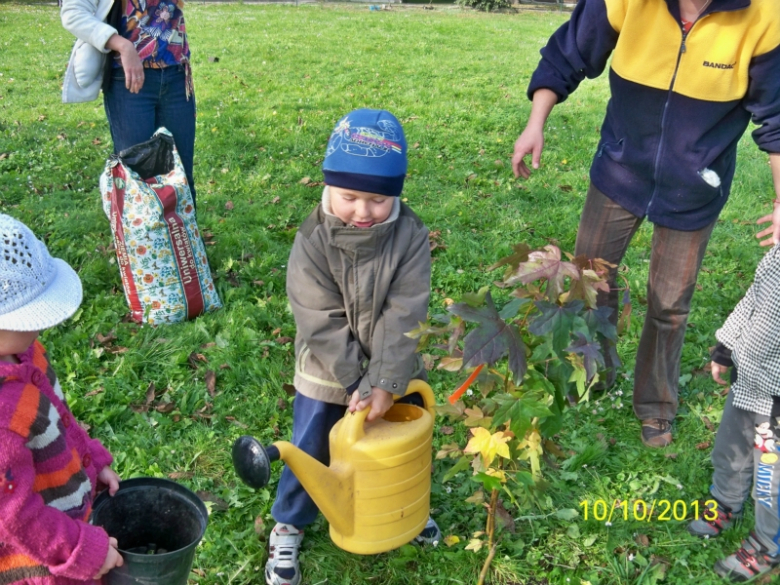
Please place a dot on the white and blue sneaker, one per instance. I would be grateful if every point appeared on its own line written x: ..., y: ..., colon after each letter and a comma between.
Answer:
x: 282, y: 567
x: 430, y: 534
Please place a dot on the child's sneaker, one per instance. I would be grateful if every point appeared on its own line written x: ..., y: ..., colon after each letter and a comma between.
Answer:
x: 282, y: 567
x: 723, y: 520
x: 750, y: 560
x: 430, y: 534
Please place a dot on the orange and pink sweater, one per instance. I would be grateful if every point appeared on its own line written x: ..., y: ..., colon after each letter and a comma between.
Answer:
x: 48, y: 478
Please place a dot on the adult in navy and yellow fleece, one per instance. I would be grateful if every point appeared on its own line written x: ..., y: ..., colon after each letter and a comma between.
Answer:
x: 682, y: 95
x: 680, y: 102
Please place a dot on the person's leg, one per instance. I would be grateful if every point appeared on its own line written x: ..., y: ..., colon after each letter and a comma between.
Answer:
x: 293, y: 508
x: 131, y: 116
x: 674, y: 266
x: 177, y: 113
x: 312, y: 422
x: 732, y: 457
x: 605, y: 231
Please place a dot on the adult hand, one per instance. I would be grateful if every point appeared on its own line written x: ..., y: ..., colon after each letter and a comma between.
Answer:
x: 380, y: 402
x: 771, y: 234
x: 131, y: 62
x: 531, y: 141
x: 109, y: 477
x: 717, y: 371
x: 113, y: 558
x: 134, y: 70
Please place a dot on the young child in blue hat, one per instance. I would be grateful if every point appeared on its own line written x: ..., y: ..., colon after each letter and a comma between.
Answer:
x: 358, y: 279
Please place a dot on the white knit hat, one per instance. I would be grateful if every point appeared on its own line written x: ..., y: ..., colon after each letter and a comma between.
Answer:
x: 36, y: 290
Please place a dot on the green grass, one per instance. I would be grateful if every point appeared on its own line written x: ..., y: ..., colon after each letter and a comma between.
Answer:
x: 284, y: 76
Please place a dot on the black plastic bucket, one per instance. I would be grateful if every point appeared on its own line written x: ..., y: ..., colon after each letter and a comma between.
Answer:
x: 158, y: 524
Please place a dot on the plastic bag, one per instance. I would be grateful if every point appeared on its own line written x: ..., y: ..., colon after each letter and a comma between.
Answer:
x: 160, y: 253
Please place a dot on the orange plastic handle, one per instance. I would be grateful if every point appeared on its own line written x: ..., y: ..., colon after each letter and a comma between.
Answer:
x: 465, y: 386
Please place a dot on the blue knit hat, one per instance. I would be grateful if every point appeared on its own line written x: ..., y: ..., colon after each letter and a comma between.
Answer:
x: 367, y: 152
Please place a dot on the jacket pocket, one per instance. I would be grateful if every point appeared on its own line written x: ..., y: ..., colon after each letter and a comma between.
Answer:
x: 613, y: 150
x: 88, y: 64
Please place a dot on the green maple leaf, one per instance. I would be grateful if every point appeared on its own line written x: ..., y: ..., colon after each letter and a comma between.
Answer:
x: 557, y: 322
x: 519, y: 410
x: 492, y: 339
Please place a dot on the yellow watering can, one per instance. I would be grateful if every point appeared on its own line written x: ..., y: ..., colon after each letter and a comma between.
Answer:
x: 376, y: 492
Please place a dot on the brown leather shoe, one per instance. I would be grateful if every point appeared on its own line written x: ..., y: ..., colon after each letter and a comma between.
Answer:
x: 657, y: 432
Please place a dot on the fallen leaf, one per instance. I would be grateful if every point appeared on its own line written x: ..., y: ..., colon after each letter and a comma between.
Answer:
x: 165, y: 407
x: 229, y: 205
x: 708, y: 423
x: 281, y: 404
x: 451, y: 540
x: 446, y: 430
x: 3, y: 155
x: 94, y: 392
x: 258, y: 283
x: 282, y: 340
x: 703, y: 445
x: 211, y: 382
x: 260, y: 526
x: 181, y: 475
x: 219, y: 504
x: 208, y: 345
x: 224, y: 367
x: 194, y: 358
x: 276, y: 331
x: 670, y: 455
x: 305, y: 181
x: 276, y: 199
x: 41, y: 118
x: 642, y: 540
x: 565, y: 188
x: 97, y: 141
x: 235, y: 422
x: 150, y: 391
x: 289, y: 389
x: 84, y: 426
x: 116, y: 349
x: 505, y: 518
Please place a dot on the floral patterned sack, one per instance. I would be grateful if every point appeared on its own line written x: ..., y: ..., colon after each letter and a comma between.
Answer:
x: 161, y: 257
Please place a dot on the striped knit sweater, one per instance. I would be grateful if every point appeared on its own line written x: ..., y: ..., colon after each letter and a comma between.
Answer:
x: 48, y: 475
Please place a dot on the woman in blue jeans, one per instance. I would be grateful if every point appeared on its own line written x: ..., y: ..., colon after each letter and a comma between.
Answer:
x: 147, y: 81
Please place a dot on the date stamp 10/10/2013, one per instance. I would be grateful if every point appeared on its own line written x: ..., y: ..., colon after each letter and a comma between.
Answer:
x: 648, y: 511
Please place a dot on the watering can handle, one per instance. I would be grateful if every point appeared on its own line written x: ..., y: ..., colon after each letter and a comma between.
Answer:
x: 353, y: 431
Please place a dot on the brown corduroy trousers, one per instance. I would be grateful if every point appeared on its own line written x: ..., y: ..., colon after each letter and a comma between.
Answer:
x: 605, y: 231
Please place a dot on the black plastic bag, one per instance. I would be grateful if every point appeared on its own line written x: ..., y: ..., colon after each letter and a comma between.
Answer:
x: 151, y: 158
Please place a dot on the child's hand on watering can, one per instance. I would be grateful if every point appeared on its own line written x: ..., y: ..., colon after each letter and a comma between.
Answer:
x: 108, y: 477
x: 380, y: 402
x: 113, y: 558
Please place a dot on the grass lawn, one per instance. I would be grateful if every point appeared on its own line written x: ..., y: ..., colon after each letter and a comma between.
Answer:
x: 283, y: 76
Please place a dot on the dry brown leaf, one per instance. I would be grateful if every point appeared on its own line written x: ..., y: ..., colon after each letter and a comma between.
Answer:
x: 208, y: 345
x: 305, y: 181
x: 260, y: 527
x: 165, y: 407
x: 276, y: 199
x: 224, y: 367
x: 181, y: 475
x: 106, y: 339
x: 219, y: 504
x: 282, y: 340
x: 289, y: 389
x: 94, y: 392
x: 229, y: 205
x: 708, y: 423
x: 446, y: 430
x: 642, y: 540
x: 211, y: 382
x: 281, y: 404
x: 236, y: 422
x: 116, y: 349
x: 703, y: 445
x: 670, y: 455
x: 149, y: 398
x: 276, y: 331
x: 258, y: 283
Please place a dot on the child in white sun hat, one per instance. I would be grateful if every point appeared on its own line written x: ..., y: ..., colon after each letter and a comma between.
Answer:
x: 50, y: 469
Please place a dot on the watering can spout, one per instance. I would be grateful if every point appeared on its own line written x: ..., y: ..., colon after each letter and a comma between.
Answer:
x: 330, y: 488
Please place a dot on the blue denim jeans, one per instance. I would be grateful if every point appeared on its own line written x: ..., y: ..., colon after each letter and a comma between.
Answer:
x: 162, y: 101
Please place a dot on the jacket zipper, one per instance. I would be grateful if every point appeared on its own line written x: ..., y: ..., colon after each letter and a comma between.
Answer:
x: 663, y: 119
